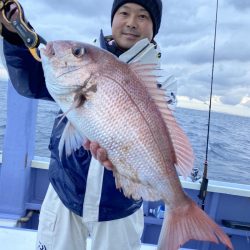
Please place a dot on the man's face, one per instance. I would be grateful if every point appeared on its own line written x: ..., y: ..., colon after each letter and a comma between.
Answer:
x: 131, y: 23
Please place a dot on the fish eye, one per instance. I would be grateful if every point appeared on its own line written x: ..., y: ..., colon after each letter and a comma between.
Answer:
x: 78, y: 51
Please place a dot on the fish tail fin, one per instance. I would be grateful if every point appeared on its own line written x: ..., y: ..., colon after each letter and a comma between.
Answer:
x: 189, y: 222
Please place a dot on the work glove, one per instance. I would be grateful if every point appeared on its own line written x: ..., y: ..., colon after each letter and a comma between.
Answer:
x: 9, y: 12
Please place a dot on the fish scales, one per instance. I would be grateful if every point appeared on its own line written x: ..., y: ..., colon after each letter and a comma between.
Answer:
x: 108, y: 104
x: 119, y: 106
x: 122, y: 144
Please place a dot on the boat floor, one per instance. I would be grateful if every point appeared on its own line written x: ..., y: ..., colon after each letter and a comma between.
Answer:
x: 22, y: 239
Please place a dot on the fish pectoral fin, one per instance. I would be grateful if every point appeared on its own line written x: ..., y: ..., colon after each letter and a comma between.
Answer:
x: 83, y: 95
x: 85, y: 92
x: 71, y: 139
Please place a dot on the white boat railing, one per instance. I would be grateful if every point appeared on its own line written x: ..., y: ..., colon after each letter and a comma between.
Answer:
x: 40, y: 162
x: 213, y: 186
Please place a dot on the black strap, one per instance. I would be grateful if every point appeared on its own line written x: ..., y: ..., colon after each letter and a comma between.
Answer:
x: 11, y: 37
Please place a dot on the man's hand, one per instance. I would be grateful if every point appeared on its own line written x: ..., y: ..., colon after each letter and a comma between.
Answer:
x: 99, y: 153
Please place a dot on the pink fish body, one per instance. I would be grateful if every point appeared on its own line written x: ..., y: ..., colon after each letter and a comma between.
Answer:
x: 119, y: 106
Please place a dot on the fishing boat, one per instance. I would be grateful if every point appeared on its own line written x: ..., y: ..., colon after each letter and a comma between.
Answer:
x: 24, y: 181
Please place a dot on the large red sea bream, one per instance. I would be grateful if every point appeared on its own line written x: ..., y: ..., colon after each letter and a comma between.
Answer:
x: 119, y: 106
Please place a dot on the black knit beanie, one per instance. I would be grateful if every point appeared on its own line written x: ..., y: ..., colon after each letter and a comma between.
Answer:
x: 154, y: 7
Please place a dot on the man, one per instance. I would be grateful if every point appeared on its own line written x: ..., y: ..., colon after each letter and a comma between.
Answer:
x: 82, y: 198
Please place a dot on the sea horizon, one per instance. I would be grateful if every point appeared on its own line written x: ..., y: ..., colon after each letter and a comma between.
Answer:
x: 229, y: 144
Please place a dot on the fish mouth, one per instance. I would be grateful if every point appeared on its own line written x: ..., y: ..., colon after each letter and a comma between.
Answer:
x: 49, y: 50
x: 47, y: 58
x: 69, y: 70
x: 62, y: 90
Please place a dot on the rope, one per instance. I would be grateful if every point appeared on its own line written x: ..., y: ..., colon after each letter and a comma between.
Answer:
x: 204, y: 184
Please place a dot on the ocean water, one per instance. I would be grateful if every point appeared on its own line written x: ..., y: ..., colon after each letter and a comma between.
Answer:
x: 229, y: 143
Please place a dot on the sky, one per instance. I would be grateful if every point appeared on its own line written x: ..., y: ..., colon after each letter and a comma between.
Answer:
x: 186, y: 40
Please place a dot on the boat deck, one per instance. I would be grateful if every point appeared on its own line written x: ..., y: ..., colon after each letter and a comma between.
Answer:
x: 23, y: 239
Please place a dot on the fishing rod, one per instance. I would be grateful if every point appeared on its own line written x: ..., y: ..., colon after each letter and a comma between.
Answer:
x: 204, y: 184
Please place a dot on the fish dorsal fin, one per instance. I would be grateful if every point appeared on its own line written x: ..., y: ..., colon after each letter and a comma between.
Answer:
x: 147, y: 73
x: 71, y: 139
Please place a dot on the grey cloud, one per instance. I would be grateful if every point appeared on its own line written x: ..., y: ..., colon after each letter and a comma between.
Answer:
x: 185, y: 38
x: 233, y: 97
x: 188, y: 44
x: 73, y: 20
x: 240, y: 4
x: 192, y: 80
x: 84, y: 7
x: 230, y: 82
x: 196, y: 90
